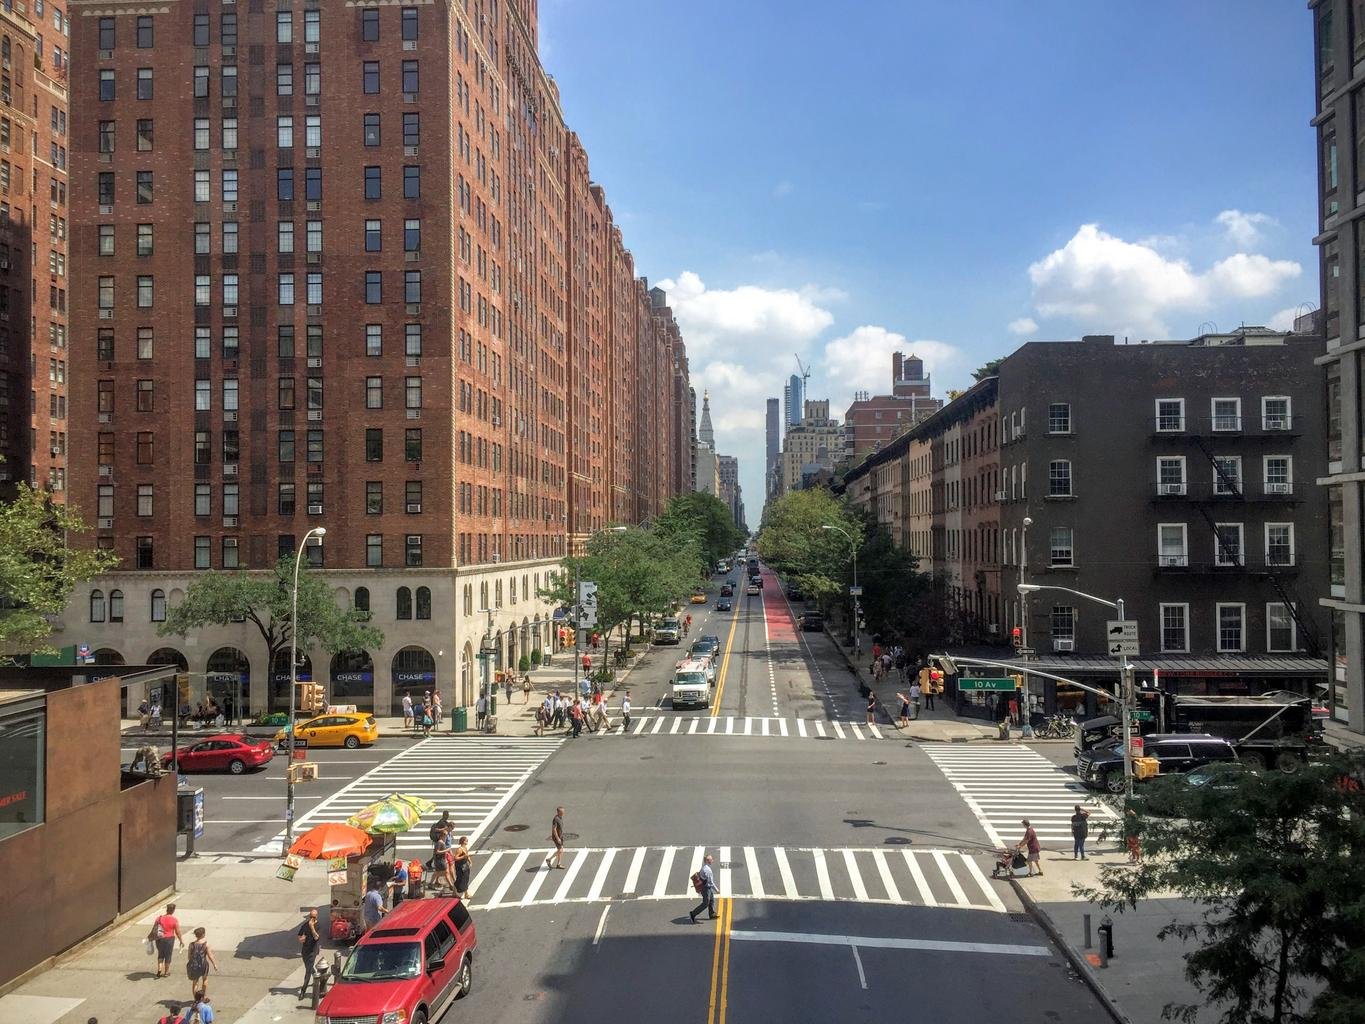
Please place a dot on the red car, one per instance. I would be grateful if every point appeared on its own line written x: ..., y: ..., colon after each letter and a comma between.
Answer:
x: 408, y: 968
x: 228, y: 752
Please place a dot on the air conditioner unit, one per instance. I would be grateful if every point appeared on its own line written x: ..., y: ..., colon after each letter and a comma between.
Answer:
x: 412, y: 255
x: 414, y: 414
x: 497, y: 421
x: 229, y: 207
x: 106, y: 470
x: 1277, y: 423
x: 310, y: 47
x: 409, y: 97
x: 314, y: 310
x: 229, y: 469
x: 1171, y: 488
x: 414, y: 507
x: 229, y: 51
x: 106, y: 55
x: 1277, y: 488
x: 414, y: 361
x: 105, y: 417
x: 313, y: 152
x: 105, y: 158
x: 55, y: 452
x: 496, y: 558
x: 1063, y: 646
x: 107, y: 523
x: 315, y: 414
x: 407, y: 151
x: 106, y: 314
x: 229, y: 520
x: 230, y: 416
x: 1172, y: 561
x: 413, y: 309
x: 229, y: 102
x: 315, y: 257
x: 1000, y: 495
x: 310, y: 100
x: 314, y: 361
x: 315, y: 510
x: 409, y: 44
x: 314, y: 205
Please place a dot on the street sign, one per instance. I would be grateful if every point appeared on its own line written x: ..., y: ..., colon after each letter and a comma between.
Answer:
x: 981, y: 683
x: 1142, y: 716
x: 587, y: 594
x: 1121, y: 636
x: 855, y: 591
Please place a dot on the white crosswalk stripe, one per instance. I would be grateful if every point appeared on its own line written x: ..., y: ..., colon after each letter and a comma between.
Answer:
x: 736, y: 725
x: 926, y: 878
x: 1005, y: 783
x: 472, y: 777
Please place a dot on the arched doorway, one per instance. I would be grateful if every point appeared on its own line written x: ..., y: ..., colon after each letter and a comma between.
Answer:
x: 164, y: 656
x: 352, y: 680
x: 413, y: 671
x: 108, y: 656
x: 468, y: 680
x: 279, y: 677
x: 227, y: 679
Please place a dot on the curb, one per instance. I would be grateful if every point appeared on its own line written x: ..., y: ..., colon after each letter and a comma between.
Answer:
x: 1077, y: 960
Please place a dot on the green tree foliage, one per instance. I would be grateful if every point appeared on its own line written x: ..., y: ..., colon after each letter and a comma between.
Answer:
x: 1273, y: 860
x: 793, y: 542
x: 988, y: 369
x: 38, y: 570
x: 263, y: 598
x: 704, y: 520
x: 898, y: 600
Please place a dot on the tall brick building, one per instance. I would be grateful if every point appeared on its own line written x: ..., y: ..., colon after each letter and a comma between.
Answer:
x: 343, y: 266
x: 34, y: 360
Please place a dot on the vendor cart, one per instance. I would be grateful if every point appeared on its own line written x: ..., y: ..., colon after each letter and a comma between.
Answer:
x: 348, y: 885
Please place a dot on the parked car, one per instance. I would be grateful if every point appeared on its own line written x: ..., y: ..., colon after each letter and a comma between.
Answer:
x: 704, y: 648
x: 668, y: 631
x: 348, y: 729
x: 1215, y: 778
x: 1176, y: 753
x: 723, y: 604
x: 226, y: 752
x: 409, y: 967
x: 795, y: 594
x: 812, y: 622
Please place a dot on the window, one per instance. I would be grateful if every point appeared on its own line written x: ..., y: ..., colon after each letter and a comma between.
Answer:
x: 1059, y: 418
x: 374, y: 339
x: 374, y: 444
x: 203, y: 296
x: 284, y: 26
x: 412, y: 182
x: 203, y: 552
x: 412, y: 392
x: 373, y: 239
x: 230, y: 394
x: 369, y: 77
x: 1170, y: 414
x: 106, y: 33
x: 145, y: 554
x: 201, y: 82
x: 146, y: 394
x: 144, y: 135
x: 144, y: 239
x: 227, y: 31
x: 145, y: 340
x: 370, y: 129
x: 315, y: 446
x: 284, y: 236
x: 412, y: 444
x: 312, y: 26
x: 1063, y: 623
x: 144, y: 83
x: 106, y: 239
x: 286, y: 446
x: 374, y: 550
x: 312, y: 79
x: 1279, y: 543
x: 158, y: 601
x: 373, y: 183
x: 1227, y: 414
x: 412, y: 235
x: 284, y: 184
x: 412, y: 496
x: 412, y: 339
x: 1279, y: 474
x: 369, y: 24
x: 199, y: 35
x: 284, y: 394
x: 106, y: 85
x: 1275, y: 412
x: 1060, y: 539
x: 409, y: 22
x: 229, y: 185
x: 203, y: 500
x: 106, y: 136
x: 1227, y: 474
x: 312, y: 184
x: 284, y: 132
x: 105, y: 187
x: 284, y: 499
x: 412, y: 287
x: 285, y: 290
x: 284, y: 79
x: 410, y: 77
x: 314, y: 236
x: 412, y: 129
x: 232, y: 446
x: 374, y: 290
x: 374, y: 497
x: 230, y: 553
x: 97, y: 606
x: 203, y: 448
x: 1175, y: 632
x: 104, y: 344
x: 1231, y: 628
x: 202, y: 186
x: 403, y: 603
x: 1171, y: 545
x: 374, y: 392
x: 1228, y: 548
x: 144, y: 187
x: 1170, y: 474
x: 144, y: 291
x: 1059, y: 478
x: 1281, y: 632
x: 312, y: 130
x: 412, y: 550
x: 229, y: 133
x: 144, y: 500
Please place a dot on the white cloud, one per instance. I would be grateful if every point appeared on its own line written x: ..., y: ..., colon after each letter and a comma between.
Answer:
x: 861, y: 361
x: 783, y: 189
x: 1243, y: 229
x: 1113, y: 285
x: 1024, y: 325
x: 728, y: 320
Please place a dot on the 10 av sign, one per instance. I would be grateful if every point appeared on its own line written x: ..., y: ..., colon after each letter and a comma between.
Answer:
x: 979, y: 683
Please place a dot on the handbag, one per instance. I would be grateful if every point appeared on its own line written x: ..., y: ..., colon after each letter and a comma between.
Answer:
x: 148, y: 946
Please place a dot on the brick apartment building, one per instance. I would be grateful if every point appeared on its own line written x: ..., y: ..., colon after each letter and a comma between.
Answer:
x: 34, y: 219
x: 1185, y: 491
x: 344, y: 267
x: 872, y: 421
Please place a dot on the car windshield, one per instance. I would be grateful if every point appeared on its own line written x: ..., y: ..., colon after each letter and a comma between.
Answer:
x: 383, y: 961
x: 689, y: 679
x: 669, y: 624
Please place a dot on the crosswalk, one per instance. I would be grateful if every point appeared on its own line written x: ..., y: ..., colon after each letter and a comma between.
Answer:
x: 473, y: 778
x: 1005, y: 783
x: 883, y: 875
x: 668, y: 724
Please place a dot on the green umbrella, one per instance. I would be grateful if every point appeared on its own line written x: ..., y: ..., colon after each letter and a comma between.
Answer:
x: 395, y: 813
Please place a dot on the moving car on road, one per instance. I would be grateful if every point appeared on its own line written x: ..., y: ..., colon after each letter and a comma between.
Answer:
x: 1175, y: 753
x: 698, y: 596
x: 691, y: 685
x: 226, y: 752
x: 727, y: 591
x: 812, y: 622
x: 723, y: 604
x: 345, y: 729
x: 753, y: 589
x: 668, y: 631
x: 707, y: 646
x: 409, y: 967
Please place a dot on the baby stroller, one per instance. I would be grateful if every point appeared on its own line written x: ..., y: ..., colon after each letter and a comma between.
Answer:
x: 1010, y: 863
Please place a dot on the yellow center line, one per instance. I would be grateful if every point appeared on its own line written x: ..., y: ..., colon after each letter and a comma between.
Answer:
x: 724, y: 666
x: 720, y: 964
x: 723, y: 1005
x: 715, y: 968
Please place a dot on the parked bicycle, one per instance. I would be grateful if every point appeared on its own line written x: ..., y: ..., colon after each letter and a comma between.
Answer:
x: 1056, y: 727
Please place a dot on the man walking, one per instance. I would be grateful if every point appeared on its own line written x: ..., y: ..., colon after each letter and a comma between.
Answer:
x: 309, y: 937
x: 625, y: 712
x: 929, y: 688
x: 407, y: 711
x: 372, y: 908
x: 705, y: 881
x: 480, y: 711
x: 557, y: 712
x: 556, y: 859
x: 1080, y: 829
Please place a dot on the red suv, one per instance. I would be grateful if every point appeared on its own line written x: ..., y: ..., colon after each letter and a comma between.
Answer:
x: 407, y: 969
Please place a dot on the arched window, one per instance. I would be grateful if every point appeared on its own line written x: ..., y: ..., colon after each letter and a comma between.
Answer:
x: 115, y: 606
x: 424, y: 602
x: 362, y: 599
x: 404, y: 603
x: 158, y: 606
x: 96, y: 599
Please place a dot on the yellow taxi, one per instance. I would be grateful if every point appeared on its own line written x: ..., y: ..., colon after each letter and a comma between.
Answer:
x: 698, y: 597
x: 341, y: 729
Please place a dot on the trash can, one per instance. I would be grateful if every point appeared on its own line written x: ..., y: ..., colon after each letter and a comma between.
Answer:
x: 459, y: 719
x: 493, y: 701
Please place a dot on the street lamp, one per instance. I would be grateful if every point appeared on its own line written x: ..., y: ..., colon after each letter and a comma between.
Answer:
x: 317, y: 531
x: 857, y: 636
x: 1125, y: 675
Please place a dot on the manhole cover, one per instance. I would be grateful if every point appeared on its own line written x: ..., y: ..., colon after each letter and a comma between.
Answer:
x: 879, y: 762
x: 569, y: 836
x: 647, y: 757
x: 897, y: 841
x: 824, y: 737
x: 516, y: 828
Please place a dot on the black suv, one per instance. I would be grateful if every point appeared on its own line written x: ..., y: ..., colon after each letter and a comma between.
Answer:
x: 1176, y: 753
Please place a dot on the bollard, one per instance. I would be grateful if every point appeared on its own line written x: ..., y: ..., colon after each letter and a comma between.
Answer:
x: 1106, y: 937
x: 1087, y: 931
x: 320, y: 981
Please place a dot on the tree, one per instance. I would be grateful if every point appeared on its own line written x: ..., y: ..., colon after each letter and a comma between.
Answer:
x: 793, y: 541
x: 217, y: 598
x: 1273, y: 860
x: 703, y: 519
x: 898, y: 600
x: 38, y: 570
x: 990, y: 368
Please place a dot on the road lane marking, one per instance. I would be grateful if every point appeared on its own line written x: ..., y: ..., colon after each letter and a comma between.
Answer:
x: 487, y: 869
x: 822, y: 876
x: 537, y: 880
x: 801, y: 727
x: 855, y: 876
x: 693, y: 726
x: 785, y: 870
x: 921, y: 883
x: 715, y: 970
x: 697, y: 858
x: 711, y: 725
x: 633, y: 872
x: 755, y: 880
x: 782, y: 726
x: 661, y: 883
x: 580, y: 858
x: 511, y: 877
x: 819, y: 727
x: 729, y: 916
x: 725, y: 871
x: 862, y: 978
x: 984, y: 885
x: 878, y: 942
x: 857, y: 731
x: 951, y: 878
x: 677, y: 724
x: 601, y: 924
x: 893, y: 892
x: 875, y: 731
x: 725, y: 665
x: 838, y: 729
x: 658, y: 724
x: 601, y: 877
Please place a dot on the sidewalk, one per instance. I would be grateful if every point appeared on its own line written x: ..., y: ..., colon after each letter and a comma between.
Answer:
x: 254, y: 942
x: 1339, y: 736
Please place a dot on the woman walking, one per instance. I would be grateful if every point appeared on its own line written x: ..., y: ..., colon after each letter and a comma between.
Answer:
x: 165, y: 930
x: 463, y: 864
x: 1080, y: 828
x: 197, y: 965
x: 904, y: 722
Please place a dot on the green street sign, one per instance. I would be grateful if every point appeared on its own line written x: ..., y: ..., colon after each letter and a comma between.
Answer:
x: 980, y: 683
x: 1142, y: 716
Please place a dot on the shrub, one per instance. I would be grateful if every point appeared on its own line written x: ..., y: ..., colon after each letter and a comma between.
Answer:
x: 524, y: 664
x: 535, y: 657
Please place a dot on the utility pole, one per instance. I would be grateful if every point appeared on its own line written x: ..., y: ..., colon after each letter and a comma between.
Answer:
x: 1126, y: 710
x: 317, y: 531
x: 1027, y: 729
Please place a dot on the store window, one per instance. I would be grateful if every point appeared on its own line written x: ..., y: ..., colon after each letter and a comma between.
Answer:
x: 23, y: 755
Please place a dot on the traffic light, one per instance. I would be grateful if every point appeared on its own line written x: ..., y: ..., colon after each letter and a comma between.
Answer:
x: 1017, y: 637
x: 1018, y: 681
x: 317, y: 700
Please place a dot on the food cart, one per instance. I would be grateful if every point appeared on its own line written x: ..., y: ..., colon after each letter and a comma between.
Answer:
x: 347, y: 877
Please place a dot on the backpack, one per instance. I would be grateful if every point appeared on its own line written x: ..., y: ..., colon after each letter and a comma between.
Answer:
x: 698, y: 882
x: 198, y: 962
x: 435, y: 832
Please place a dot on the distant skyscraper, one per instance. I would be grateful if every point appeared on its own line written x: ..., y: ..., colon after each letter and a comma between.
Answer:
x: 705, y: 433
x: 774, y: 425
x: 794, y: 395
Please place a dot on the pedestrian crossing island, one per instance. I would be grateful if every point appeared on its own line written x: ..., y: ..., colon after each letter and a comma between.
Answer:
x: 895, y: 876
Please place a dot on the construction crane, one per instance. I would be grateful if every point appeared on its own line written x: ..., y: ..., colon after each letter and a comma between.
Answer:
x: 805, y: 375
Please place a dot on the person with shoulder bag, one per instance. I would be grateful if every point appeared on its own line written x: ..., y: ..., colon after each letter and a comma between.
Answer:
x: 165, y: 931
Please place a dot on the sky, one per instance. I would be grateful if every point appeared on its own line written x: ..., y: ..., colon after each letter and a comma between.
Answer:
x: 840, y: 181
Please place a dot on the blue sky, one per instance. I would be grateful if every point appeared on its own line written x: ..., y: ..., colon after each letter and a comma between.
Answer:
x: 842, y: 180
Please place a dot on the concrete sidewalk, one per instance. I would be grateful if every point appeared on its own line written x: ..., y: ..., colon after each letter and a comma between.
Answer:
x: 251, y: 918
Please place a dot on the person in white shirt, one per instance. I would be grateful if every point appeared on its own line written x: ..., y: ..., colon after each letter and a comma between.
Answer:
x: 625, y: 712
x: 407, y: 711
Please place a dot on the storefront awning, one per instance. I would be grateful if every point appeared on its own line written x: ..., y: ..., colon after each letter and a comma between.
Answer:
x: 1167, y: 665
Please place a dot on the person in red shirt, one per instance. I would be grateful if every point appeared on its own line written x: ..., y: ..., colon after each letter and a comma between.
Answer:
x: 165, y: 931
x: 587, y: 662
x: 1033, y: 848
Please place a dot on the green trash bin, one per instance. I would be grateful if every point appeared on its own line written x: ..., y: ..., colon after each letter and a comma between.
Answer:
x: 493, y: 702
x: 459, y: 719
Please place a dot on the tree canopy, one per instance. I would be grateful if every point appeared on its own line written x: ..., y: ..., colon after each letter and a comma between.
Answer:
x: 219, y: 597
x: 38, y: 569
x: 704, y: 520
x: 793, y: 541
x: 1273, y: 861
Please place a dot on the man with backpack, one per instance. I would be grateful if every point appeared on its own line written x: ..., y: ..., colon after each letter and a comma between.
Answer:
x: 704, y: 881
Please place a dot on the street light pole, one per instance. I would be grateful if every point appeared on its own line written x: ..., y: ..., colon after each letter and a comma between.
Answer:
x: 317, y: 531
x: 857, y: 606
x: 1026, y: 730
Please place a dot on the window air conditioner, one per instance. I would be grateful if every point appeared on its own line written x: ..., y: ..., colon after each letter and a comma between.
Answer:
x: 1061, y: 646
x: 1277, y: 488
x: 1171, y: 488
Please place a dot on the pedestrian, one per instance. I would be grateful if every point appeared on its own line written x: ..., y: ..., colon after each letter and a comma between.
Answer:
x: 464, y: 862
x: 436, y: 707
x: 398, y: 884
x: 542, y: 719
x: 372, y: 908
x: 587, y: 662
x: 929, y: 687
x: 507, y: 684
x: 704, y: 881
x: 173, y: 1015
x: 480, y: 711
x: 165, y: 931
x: 915, y: 694
x: 1080, y: 828
x: 557, y: 837
x: 419, y: 710
x: 576, y: 717
x: 408, y: 720
x: 557, y: 713
x: 144, y: 714
x: 526, y: 689
x: 1033, y: 848
x: 872, y: 708
x: 309, y: 937
x: 904, y: 722
x: 197, y: 964
x: 1130, y: 836
x: 429, y: 719
x: 625, y: 712
x: 205, y: 1010
x: 447, y: 859
x: 600, y: 716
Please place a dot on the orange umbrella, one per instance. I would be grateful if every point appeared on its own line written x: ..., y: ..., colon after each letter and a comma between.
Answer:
x: 330, y: 839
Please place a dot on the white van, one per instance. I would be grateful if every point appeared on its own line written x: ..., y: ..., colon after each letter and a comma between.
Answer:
x: 691, y: 685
